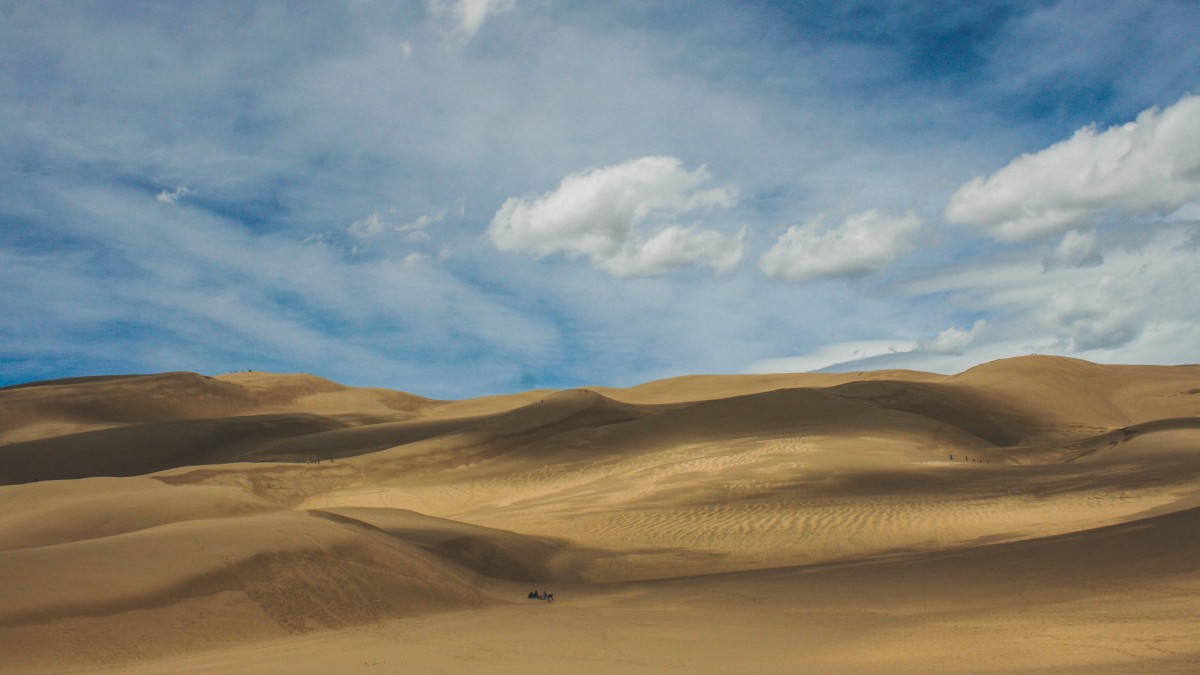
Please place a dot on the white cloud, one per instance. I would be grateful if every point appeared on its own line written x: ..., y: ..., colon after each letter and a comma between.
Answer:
x: 1102, y: 315
x: 862, y: 244
x: 172, y: 197
x: 326, y: 114
x: 928, y: 360
x: 604, y: 214
x: 676, y: 247
x: 953, y: 340
x: 467, y: 16
x: 1077, y: 249
x: 832, y: 355
x: 416, y: 259
x: 1116, y: 310
x: 1147, y: 167
x: 371, y: 226
x: 374, y: 225
x: 947, y: 348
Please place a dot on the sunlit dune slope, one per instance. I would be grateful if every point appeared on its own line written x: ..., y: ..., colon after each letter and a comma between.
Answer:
x: 690, y: 388
x: 789, y: 476
x: 148, y: 515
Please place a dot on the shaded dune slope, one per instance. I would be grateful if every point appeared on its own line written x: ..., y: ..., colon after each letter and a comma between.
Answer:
x: 84, y: 559
x: 146, y: 448
x: 490, y: 552
x: 1030, y: 403
x: 54, y: 408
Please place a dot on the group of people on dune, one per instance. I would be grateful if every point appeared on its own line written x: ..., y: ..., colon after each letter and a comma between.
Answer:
x: 534, y: 595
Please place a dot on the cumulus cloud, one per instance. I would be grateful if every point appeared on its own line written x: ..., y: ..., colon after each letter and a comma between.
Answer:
x: 864, y: 243
x: 953, y: 340
x: 1104, y: 315
x: 620, y: 217
x: 1147, y: 167
x: 676, y: 247
x: 466, y: 17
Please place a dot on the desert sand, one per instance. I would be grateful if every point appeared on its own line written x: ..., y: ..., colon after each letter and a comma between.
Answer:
x: 1037, y: 514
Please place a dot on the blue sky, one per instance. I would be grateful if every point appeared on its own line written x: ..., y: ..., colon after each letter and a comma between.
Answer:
x: 468, y: 197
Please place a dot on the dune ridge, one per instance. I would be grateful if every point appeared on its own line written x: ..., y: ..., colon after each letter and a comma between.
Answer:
x: 147, y: 519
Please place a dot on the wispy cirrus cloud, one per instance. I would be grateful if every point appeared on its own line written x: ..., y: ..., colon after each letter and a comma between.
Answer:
x: 172, y: 196
x: 952, y: 345
x: 831, y: 356
x: 466, y: 17
x: 310, y: 159
x: 1124, y: 305
x: 376, y: 224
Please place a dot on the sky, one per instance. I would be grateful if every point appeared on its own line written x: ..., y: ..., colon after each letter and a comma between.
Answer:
x: 470, y: 197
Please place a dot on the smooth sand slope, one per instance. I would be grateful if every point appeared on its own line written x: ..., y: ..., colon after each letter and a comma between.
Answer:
x: 1032, y: 514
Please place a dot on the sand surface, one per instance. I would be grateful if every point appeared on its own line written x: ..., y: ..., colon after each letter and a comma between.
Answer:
x: 1036, y: 514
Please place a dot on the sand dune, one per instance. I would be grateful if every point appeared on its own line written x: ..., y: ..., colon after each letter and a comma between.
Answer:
x: 58, y: 407
x: 1036, y: 513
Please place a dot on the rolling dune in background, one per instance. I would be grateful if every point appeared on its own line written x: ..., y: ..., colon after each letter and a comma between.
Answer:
x: 1036, y: 513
